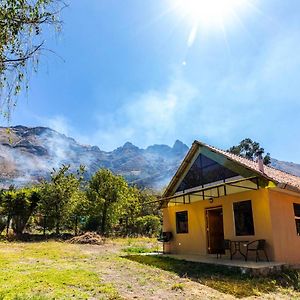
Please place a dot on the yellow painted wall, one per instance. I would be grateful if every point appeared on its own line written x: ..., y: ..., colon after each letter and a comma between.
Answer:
x: 286, y: 240
x: 195, y: 242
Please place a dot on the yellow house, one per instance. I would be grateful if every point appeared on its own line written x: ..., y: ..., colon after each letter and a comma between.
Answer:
x: 216, y: 196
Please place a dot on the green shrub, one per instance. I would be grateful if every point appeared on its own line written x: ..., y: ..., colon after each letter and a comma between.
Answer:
x: 148, y: 225
x: 137, y: 249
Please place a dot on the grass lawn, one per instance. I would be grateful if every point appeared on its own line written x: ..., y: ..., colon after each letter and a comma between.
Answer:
x: 117, y: 270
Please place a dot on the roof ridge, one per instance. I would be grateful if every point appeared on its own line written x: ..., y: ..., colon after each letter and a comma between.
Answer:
x: 282, y: 171
x: 247, y: 159
x: 227, y: 151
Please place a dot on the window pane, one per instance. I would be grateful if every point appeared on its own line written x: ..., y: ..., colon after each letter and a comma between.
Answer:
x: 298, y: 226
x: 297, y: 210
x: 204, y: 170
x: 182, y: 222
x: 243, y: 218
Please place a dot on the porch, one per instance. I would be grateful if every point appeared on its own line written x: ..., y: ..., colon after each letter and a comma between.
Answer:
x: 260, y: 268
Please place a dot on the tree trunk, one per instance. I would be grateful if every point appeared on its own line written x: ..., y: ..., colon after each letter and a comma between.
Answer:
x: 44, y: 225
x: 104, y: 217
x: 7, y: 224
x: 57, y: 231
x: 76, y: 224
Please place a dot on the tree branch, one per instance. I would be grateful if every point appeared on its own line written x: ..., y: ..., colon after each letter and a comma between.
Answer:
x: 21, y: 59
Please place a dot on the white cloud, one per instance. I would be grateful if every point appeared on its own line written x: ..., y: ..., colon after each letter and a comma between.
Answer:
x: 147, y: 118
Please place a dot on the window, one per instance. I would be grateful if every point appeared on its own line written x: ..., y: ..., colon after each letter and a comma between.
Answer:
x: 297, y: 217
x: 243, y: 218
x: 204, y: 170
x: 182, y: 222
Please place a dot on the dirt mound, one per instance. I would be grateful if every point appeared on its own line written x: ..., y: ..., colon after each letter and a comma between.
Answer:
x: 88, y: 238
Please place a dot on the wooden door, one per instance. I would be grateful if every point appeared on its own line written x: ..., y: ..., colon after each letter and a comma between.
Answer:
x: 215, y: 230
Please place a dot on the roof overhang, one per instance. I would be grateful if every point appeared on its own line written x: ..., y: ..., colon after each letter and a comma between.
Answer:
x: 215, y: 191
x: 195, y: 150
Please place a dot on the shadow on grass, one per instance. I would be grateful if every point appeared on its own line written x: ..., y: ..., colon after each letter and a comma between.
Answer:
x: 26, y: 237
x: 224, y: 279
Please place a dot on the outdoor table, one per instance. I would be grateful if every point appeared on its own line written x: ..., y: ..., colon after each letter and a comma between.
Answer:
x: 237, y: 247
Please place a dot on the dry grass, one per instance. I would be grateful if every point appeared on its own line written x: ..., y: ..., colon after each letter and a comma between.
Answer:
x: 57, y: 270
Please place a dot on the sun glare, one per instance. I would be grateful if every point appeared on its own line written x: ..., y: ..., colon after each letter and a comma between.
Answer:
x: 207, y: 15
x: 209, y: 12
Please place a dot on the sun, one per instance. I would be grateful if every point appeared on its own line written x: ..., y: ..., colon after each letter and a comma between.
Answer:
x: 210, y: 13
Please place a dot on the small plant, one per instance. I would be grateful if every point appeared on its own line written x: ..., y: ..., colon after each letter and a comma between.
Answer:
x: 177, y: 287
x: 290, y: 278
x: 137, y: 249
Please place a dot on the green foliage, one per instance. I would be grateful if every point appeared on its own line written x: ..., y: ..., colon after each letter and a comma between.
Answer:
x: 149, y: 225
x: 250, y: 149
x: 61, y: 197
x: 137, y: 249
x: 66, y: 202
x: 21, y: 40
x: 107, y: 193
x: 178, y: 287
x: 290, y: 277
x: 140, y: 214
x: 17, y: 206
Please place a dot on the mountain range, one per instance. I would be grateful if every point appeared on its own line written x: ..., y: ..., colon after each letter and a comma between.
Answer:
x: 28, y: 154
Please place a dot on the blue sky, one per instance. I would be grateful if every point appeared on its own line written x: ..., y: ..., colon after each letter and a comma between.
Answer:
x: 132, y: 72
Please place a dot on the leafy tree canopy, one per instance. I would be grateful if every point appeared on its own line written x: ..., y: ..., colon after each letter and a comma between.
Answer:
x: 21, y: 40
x: 107, y: 192
x: 61, y: 196
x: 251, y: 150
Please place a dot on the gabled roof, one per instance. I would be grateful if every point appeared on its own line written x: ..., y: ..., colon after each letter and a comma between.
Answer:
x: 281, y: 179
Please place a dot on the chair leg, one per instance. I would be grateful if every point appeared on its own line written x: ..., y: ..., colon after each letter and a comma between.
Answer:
x: 257, y: 256
x: 266, y: 255
x: 246, y: 256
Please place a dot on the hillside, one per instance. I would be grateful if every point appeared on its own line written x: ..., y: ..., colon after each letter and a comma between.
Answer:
x: 29, y: 154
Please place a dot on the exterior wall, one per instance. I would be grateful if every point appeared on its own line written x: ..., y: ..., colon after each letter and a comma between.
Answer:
x: 286, y: 240
x: 195, y: 241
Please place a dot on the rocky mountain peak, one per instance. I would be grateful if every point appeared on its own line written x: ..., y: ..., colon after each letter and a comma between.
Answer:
x: 130, y: 146
x: 28, y: 154
x: 180, y: 147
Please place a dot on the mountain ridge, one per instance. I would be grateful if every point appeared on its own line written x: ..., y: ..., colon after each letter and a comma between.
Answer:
x: 28, y: 154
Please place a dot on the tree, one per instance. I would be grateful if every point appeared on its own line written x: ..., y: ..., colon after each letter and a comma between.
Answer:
x: 140, y: 214
x: 78, y: 210
x: 250, y: 149
x: 130, y: 209
x: 18, y: 206
x: 21, y: 40
x: 58, y: 196
x: 106, y: 193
